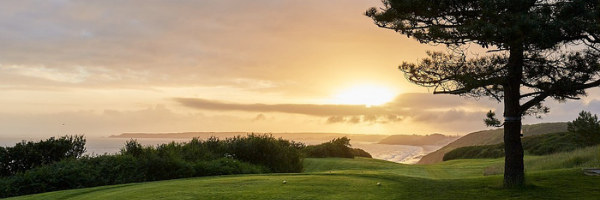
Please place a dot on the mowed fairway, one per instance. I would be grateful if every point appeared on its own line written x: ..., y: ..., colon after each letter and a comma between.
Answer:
x: 333, y: 178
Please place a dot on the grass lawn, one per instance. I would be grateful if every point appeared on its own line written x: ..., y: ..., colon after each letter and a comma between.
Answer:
x: 333, y: 178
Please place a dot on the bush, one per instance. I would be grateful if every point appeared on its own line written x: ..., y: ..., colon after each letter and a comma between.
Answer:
x: 586, y: 127
x: 137, y: 163
x: 361, y: 153
x: 277, y: 155
x: 115, y: 169
x: 28, y: 155
x: 339, y: 147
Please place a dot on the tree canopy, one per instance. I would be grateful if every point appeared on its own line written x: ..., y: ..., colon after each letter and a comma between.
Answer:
x: 586, y: 127
x: 501, y: 23
x: 539, y: 49
x: 541, y: 28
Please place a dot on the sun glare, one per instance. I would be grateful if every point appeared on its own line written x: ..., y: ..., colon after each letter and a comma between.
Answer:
x: 365, y: 95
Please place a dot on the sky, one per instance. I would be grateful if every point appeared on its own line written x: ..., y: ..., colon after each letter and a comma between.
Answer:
x: 102, y: 68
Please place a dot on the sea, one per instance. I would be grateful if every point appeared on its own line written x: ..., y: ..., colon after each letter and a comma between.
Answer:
x: 395, y: 153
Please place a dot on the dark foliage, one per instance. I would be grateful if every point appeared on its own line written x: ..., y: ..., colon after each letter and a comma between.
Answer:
x: 137, y: 163
x: 278, y: 155
x: 551, y: 143
x: 28, y: 155
x: 339, y: 147
x: 586, y: 127
x: 115, y: 169
x: 361, y: 153
x: 532, y: 40
x: 473, y: 152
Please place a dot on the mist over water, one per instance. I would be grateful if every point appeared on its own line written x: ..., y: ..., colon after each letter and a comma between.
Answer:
x: 395, y: 153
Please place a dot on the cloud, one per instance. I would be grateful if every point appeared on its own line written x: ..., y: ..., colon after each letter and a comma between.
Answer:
x: 103, y: 123
x: 365, y: 119
x: 140, y: 53
x: 188, y: 43
x: 336, y: 119
x: 427, y: 101
x: 354, y: 120
x: 394, y: 118
x: 77, y: 75
x: 423, y: 108
x: 259, y: 117
x: 305, y: 109
x: 417, y: 119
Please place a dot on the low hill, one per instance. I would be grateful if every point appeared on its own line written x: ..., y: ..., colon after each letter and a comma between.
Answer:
x: 418, y: 140
x: 489, y: 137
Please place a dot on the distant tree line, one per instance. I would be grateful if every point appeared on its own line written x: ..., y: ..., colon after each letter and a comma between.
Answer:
x: 28, y: 155
x: 59, y: 163
x: 582, y: 132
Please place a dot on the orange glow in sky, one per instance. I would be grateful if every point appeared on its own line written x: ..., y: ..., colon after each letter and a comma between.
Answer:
x: 367, y: 95
x: 106, y: 67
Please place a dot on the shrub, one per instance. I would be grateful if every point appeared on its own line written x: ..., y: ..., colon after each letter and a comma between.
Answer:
x: 115, y: 169
x: 339, y: 147
x: 361, y: 153
x: 28, y: 155
x: 278, y: 155
x: 137, y: 163
x: 133, y: 148
x: 586, y: 127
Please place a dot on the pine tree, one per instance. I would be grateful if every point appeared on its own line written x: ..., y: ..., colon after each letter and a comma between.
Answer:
x: 530, y: 61
x: 586, y: 127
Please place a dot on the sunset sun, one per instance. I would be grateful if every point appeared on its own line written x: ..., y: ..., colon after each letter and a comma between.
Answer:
x: 365, y: 95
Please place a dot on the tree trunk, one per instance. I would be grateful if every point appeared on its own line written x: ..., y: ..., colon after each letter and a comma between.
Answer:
x: 514, y: 174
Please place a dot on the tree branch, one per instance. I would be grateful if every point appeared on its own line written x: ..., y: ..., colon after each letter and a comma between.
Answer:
x: 532, y: 102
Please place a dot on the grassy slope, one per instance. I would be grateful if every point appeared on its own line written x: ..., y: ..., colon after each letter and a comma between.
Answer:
x: 357, y: 179
x: 489, y: 137
x: 588, y: 157
x: 417, y: 140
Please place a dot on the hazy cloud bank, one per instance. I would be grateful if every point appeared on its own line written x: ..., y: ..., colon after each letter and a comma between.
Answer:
x: 305, y: 109
x: 454, y: 117
x: 108, y: 122
x: 417, y: 107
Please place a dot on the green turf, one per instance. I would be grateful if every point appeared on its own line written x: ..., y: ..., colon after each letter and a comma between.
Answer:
x: 445, y: 170
x: 588, y: 157
x: 332, y: 178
